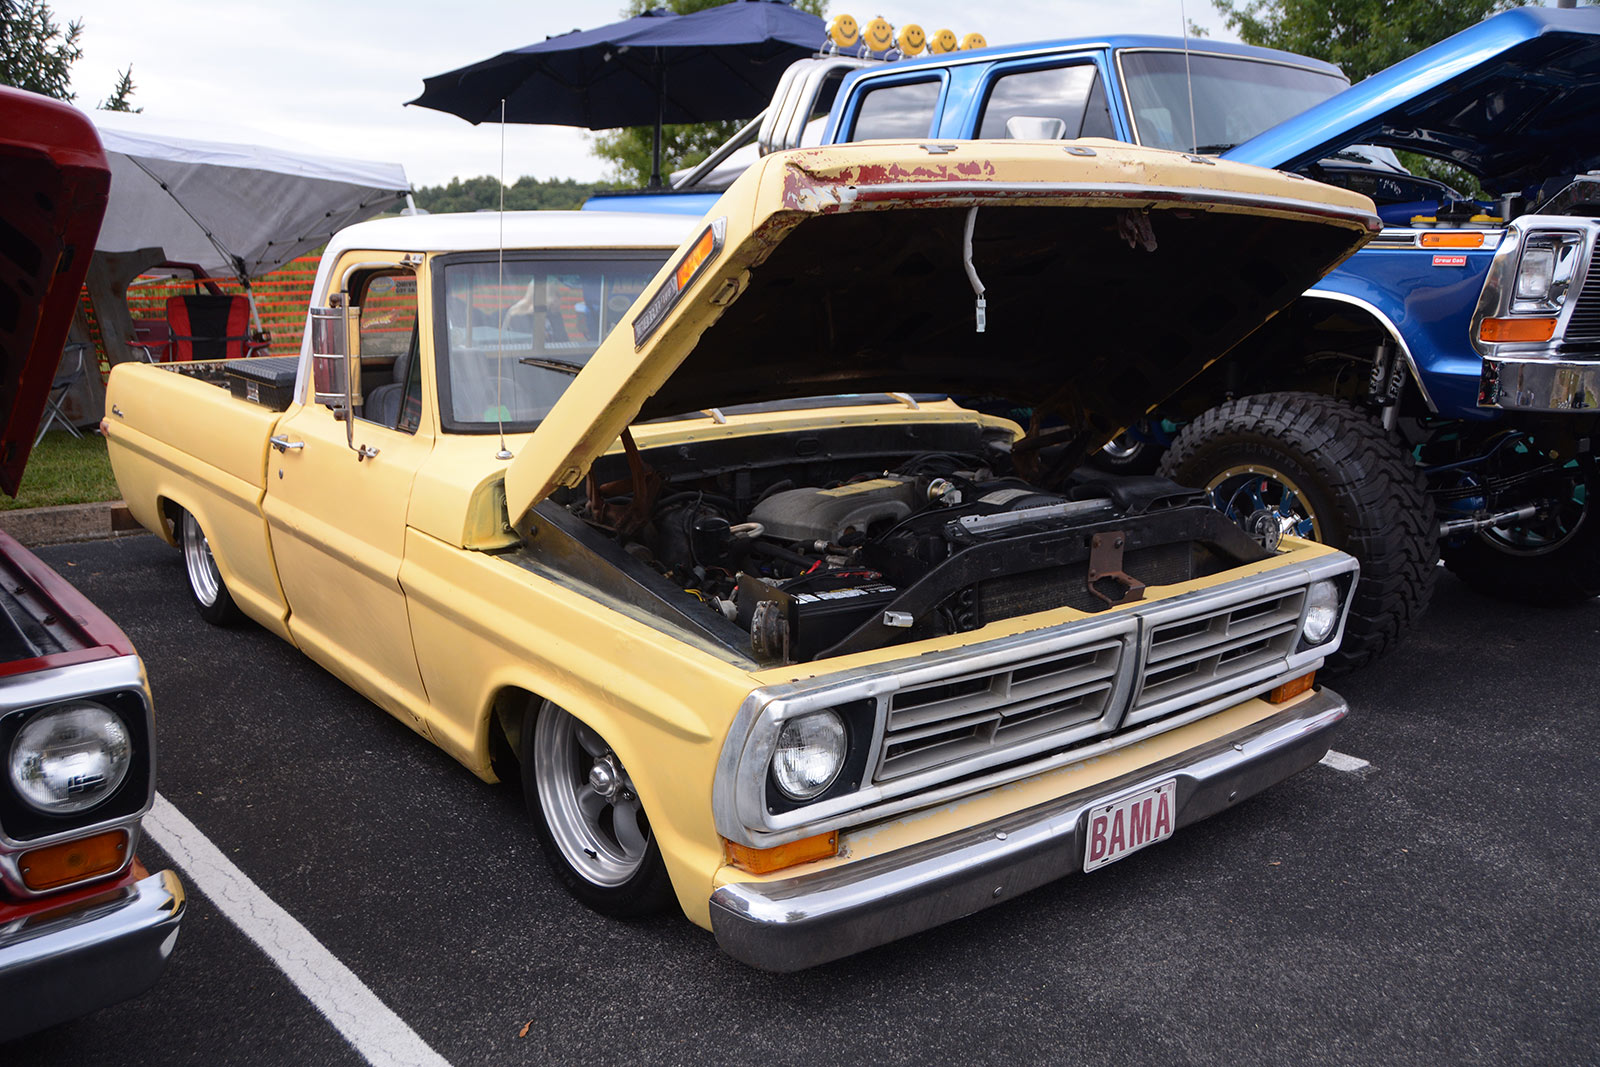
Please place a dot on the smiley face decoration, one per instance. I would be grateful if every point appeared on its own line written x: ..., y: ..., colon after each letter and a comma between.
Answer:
x: 912, y: 40
x: 877, y: 39
x: 943, y: 41
x: 972, y: 41
x: 843, y: 32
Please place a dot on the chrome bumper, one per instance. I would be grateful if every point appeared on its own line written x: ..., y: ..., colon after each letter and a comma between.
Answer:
x: 800, y: 922
x: 1540, y: 385
x: 58, y: 965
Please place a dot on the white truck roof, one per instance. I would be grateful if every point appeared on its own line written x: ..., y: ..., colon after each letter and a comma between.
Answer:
x: 480, y: 231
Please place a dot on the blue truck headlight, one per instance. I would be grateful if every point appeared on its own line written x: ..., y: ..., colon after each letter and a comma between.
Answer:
x: 70, y: 758
x: 809, y: 753
x: 1545, y: 269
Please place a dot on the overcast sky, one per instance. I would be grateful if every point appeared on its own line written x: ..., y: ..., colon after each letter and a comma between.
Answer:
x: 330, y: 76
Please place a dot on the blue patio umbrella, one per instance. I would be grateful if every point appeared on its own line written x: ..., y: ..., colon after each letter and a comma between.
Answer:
x: 718, y: 63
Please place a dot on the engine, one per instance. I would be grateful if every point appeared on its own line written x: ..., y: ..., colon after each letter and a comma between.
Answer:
x: 811, y: 567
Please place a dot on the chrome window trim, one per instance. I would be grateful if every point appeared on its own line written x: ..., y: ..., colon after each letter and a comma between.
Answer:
x: 739, y: 789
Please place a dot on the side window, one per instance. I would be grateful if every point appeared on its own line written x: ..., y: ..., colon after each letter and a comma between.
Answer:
x: 388, y: 338
x: 1072, y: 94
x: 904, y: 109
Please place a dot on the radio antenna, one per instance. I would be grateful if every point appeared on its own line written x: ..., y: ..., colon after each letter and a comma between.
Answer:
x: 500, y: 289
x: 1188, y: 79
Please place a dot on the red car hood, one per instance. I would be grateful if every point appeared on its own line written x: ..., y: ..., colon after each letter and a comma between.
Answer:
x: 55, y: 181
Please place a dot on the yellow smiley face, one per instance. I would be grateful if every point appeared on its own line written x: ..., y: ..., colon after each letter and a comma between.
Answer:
x: 911, y: 40
x: 973, y: 40
x: 844, y: 31
x: 942, y: 41
x: 880, y: 35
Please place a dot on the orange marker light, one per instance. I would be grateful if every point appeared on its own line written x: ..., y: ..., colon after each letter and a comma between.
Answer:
x: 1452, y: 240
x: 764, y: 860
x: 1292, y: 688
x: 74, y: 861
x: 1502, y: 331
x: 697, y: 255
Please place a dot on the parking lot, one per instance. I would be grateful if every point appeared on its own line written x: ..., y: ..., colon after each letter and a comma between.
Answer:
x: 1432, y: 898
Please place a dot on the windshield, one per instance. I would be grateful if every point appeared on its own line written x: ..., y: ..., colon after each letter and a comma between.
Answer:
x: 510, y: 346
x: 1234, y: 98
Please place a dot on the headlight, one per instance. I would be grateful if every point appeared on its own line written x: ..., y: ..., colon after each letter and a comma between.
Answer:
x: 1545, y: 270
x: 70, y: 758
x: 809, y: 753
x: 1322, y: 612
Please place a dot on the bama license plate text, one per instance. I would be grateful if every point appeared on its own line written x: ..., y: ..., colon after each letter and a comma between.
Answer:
x: 1129, y: 824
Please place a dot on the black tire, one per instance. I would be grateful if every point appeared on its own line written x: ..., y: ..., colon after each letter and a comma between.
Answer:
x: 206, y: 587
x: 589, y: 838
x: 1127, y: 454
x: 1358, y: 484
x: 1552, y: 560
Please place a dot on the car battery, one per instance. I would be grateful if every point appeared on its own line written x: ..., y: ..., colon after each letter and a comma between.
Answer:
x: 264, y: 380
x: 812, y: 616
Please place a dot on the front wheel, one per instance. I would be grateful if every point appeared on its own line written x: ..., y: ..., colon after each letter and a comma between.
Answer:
x: 1314, y: 467
x: 1552, y: 558
x: 206, y: 587
x: 588, y: 817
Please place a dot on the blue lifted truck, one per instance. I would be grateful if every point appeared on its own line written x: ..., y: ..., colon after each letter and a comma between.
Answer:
x: 1435, y: 394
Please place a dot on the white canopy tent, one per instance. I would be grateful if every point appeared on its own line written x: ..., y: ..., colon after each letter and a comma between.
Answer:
x: 225, y: 199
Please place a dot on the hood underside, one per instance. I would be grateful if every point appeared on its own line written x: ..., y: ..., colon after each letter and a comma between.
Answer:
x: 1514, y: 100
x: 1111, y: 276
x: 53, y: 186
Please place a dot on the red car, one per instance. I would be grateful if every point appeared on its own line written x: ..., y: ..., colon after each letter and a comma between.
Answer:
x: 82, y: 923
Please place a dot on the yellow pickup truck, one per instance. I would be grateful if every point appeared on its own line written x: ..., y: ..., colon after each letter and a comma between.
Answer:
x: 677, y: 521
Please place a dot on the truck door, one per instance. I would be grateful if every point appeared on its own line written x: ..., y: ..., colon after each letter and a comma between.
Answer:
x: 337, y: 516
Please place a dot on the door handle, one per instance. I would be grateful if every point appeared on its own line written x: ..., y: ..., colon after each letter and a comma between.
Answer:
x: 282, y: 443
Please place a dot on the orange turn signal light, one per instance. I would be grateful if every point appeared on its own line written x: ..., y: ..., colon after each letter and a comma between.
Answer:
x: 1292, y: 688
x: 1501, y: 331
x: 1452, y: 240
x: 697, y: 255
x: 764, y: 860
x: 74, y: 861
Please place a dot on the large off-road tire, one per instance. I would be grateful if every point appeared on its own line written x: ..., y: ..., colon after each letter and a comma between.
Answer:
x: 588, y: 817
x: 1553, y: 559
x: 206, y: 587
x: 1321, y: 469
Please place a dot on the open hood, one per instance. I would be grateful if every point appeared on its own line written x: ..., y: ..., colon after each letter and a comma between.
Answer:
x: 54, y: 177
x: 1112, y: 275
x: 1514, y: 100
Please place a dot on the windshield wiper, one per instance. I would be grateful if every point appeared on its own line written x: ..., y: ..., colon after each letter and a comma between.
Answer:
x: 565, y: 366
x: 1214, y: 149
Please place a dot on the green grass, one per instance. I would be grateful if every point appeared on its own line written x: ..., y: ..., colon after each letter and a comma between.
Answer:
x: 65, y: 470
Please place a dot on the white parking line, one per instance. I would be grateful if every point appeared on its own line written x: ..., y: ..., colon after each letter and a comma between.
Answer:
x: 377, y: 1033
x: 1340, y: 762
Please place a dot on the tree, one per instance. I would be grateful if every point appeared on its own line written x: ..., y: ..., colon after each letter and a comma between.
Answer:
x: 1361, y: 37
x: 37, y: 54
x: 527, y: 194
x: 629, y: 150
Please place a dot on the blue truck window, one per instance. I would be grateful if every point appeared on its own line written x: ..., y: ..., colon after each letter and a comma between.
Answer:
x: 1234, y: 98
x: 904, y: 109
x: 1073, y: 94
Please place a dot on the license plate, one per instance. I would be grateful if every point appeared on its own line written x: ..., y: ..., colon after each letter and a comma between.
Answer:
x: 1127, y: 825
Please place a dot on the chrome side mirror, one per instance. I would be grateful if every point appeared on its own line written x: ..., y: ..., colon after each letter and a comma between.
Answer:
x: 335, y: 381
x: 1035, y: 128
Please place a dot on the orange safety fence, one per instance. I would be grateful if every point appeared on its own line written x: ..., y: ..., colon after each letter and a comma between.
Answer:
x: 282, y: 298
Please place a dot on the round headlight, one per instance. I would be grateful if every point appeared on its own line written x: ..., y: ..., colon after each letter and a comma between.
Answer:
x: 809, y: 754
x: 1322, y: 612
x: 70, y: 758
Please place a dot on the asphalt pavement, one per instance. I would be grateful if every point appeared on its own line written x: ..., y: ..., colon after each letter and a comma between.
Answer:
x: 1436, y: 906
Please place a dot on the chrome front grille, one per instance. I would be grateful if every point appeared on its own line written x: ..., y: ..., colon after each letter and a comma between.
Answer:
x: 956, y: 718
x: 1181, y: 658
x: 1584, y: 325
x: 1187, y: 656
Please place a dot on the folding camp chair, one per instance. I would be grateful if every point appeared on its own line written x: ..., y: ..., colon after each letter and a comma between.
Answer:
x: 207, y: 326
x: 59, y: 388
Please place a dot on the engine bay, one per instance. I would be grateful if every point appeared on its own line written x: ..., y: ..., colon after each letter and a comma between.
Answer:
x: 834, y: 546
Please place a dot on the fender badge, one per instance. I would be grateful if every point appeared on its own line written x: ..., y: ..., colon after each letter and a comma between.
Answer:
x: 1449, y: 261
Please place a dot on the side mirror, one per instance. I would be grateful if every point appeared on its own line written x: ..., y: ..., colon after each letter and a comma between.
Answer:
x: 1035, y: 128
x: 334, y: 380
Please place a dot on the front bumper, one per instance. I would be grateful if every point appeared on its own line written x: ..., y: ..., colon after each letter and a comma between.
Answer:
x: 799, y: 922
x: 57, y: 965
x: 1540, y: 384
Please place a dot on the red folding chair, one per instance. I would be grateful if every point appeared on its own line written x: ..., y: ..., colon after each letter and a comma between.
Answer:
x: 206, y: 326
